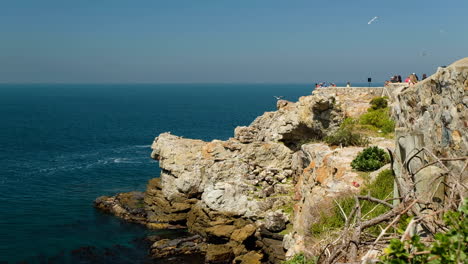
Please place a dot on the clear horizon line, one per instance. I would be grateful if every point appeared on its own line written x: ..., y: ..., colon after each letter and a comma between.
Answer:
x: 153, y: 83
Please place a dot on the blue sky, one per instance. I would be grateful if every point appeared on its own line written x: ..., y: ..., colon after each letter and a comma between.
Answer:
x: 241, y: 41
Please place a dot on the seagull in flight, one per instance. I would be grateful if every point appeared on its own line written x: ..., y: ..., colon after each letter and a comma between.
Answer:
x: 278, y: 97
x: 372, y: 20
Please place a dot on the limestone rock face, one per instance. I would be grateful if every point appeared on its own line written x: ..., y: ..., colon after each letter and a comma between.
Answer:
x: 354, y: 101
x: 433, y: 114
x: 312, y: 117
x: 224, y: 175
x: 322, y: 175
x: 245, y: 134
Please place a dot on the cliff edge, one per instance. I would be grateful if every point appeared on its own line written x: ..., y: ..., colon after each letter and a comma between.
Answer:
x: 254, y: 197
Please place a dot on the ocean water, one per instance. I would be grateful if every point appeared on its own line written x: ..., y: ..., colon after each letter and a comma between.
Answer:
x: 61, y: 146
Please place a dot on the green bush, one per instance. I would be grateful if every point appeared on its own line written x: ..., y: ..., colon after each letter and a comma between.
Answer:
x: 370, y: 159
x: 378, y: 115
x: 449, y: 247
x: 378, y: 103
x: 380, y: 119
x: 346, y: 136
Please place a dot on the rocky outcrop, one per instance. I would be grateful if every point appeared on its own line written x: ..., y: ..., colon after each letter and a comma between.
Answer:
x: 129, y: 206
x: 163, y: 248
x: 237, y: 197
x: 312, y: 117
x: 226, y: 176
x: 432, y: 120
x: 234, y: 185
x: 323, y: 174
x: 353, y: 101
x: 249, y: 198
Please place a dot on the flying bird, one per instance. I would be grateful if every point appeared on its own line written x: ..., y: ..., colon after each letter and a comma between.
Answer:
x: 278, y: 97
x: 372, y: 20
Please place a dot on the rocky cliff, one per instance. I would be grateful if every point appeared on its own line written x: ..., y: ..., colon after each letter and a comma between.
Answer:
x: 253, y: 198
x: 239, y: 194
x: 432, y: 133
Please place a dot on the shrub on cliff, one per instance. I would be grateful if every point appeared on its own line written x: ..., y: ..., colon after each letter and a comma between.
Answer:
x: 370, y: 159
x: 346, y: 135
x: 378, y: 115
x: 380, y: 119
x: 378, y: 103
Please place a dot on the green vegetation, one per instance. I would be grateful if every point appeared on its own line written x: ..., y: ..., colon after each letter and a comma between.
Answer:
x: 376, y: 122
x: 346, y: 135
x: 300, y: 259
x: 379, y: 103
x: 379, y: 119
x: 288, y: 209
x: 381, y: 188
x: 370, y: 159
x: 449, y: 247
x: 378, y: 116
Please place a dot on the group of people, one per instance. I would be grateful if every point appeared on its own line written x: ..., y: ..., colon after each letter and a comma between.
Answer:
x: 324, y: 84
x: 412, y: 79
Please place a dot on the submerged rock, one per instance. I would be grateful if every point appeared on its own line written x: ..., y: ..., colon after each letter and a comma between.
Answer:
x: 129, y: 206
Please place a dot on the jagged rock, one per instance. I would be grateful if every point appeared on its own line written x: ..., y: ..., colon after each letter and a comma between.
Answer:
x: 243, y: 233
x: 215, y: 174
x: 273, y: 249
x: 162, y: 213
x: 218, y: 254
x: 353, y: 102
x: 433, y: 115
x: 298, y: 122
x: 221, y: 231
x: 275, y: 221
x: 129, y: 206
x: 180, y: 246
x: 245, y: 134
x: 250, y: 258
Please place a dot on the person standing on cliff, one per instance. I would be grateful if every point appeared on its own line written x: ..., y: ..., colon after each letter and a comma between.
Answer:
x: 413, y: 79
x: 348, y: 84
x: 399, y: 78
x: 424, y: 76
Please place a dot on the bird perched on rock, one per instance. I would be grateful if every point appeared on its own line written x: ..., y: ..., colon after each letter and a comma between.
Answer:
x: 278, y: 97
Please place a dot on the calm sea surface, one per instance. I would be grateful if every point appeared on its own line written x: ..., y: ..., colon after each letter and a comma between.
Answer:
x: 61, y: 146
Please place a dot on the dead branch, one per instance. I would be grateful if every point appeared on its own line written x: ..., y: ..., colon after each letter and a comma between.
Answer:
x: 372, y: 199
x: 354, y: 242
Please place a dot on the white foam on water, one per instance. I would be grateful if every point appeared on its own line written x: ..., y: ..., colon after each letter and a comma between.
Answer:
x: 143, y: 146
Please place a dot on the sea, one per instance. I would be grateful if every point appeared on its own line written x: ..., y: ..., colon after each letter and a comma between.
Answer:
x: 63, y: 145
